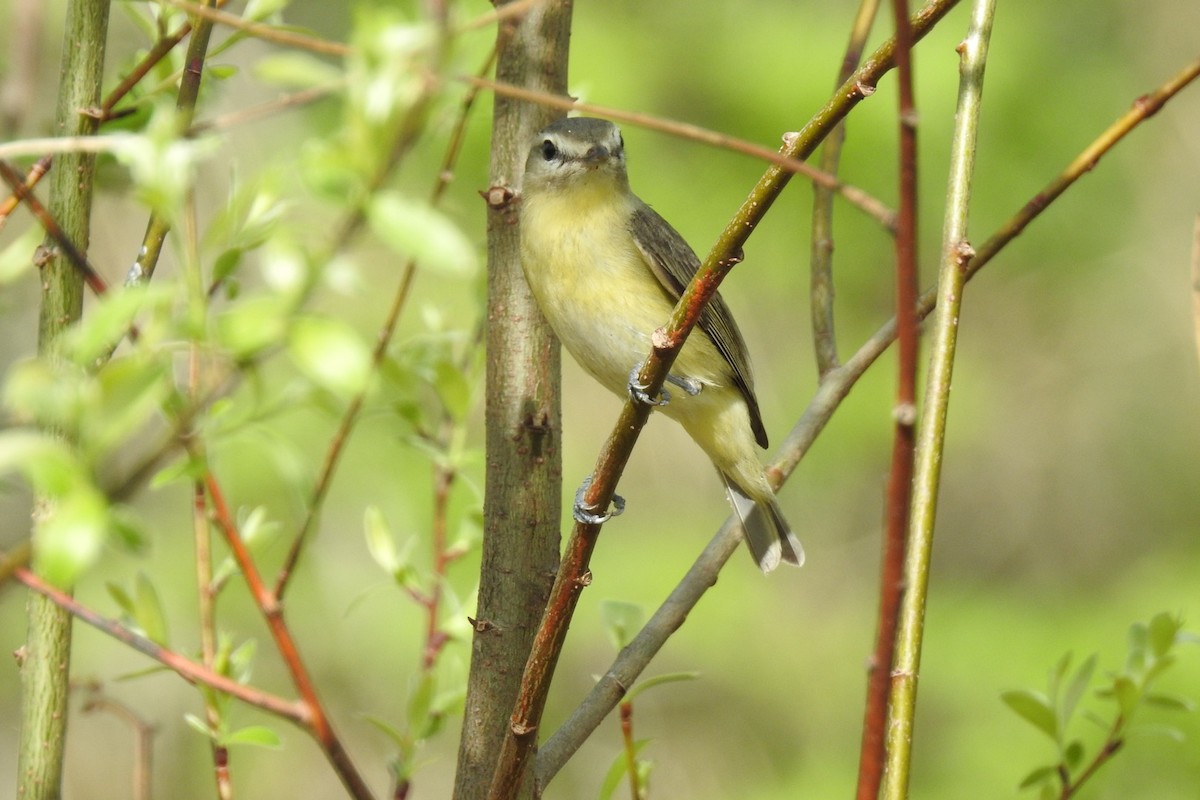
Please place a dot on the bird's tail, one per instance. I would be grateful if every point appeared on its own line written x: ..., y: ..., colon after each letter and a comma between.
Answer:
x: 768, y: 536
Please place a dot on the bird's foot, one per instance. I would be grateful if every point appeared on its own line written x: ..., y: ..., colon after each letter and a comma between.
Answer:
x: 588, y: 515
x: 638, y: 390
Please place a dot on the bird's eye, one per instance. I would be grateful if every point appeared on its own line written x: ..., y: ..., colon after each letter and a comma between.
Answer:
x: 549, y: 151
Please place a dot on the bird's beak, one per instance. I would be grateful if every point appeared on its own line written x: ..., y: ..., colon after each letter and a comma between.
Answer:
x: 596, y: 154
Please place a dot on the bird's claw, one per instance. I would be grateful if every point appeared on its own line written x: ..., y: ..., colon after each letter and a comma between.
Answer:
x: 638, y: 390
x: 689, y: 385
x: 584, y: 513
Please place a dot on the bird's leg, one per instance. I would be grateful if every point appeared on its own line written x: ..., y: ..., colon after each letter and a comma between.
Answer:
x: 638, y: 390
x: 689, y: 385
x: 586, y: 514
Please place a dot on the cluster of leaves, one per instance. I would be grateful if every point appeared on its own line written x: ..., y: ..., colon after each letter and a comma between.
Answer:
x: 1151, y: 652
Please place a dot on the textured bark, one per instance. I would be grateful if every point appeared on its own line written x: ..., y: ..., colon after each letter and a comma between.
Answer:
x: 522, y: 505
x: 46, y: 657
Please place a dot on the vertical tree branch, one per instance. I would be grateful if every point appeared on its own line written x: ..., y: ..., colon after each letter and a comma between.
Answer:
x: 956, y: 254
x: 45, y: 668
x: 189, y: 91
x: 899, y: 488
x: 821, y: 267
x: 523, y: 492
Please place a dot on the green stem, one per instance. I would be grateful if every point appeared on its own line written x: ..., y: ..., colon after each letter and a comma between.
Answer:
x: 956, y: 254
x: 46, y: 657
x: 185, y: 105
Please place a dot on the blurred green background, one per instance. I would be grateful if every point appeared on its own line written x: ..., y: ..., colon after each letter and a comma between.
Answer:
x: 1070, y: 502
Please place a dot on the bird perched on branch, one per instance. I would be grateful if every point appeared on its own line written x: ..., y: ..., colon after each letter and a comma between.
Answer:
x: 606, y: 271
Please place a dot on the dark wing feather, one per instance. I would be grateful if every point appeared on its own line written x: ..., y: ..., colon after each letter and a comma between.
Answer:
x: 674, y: 263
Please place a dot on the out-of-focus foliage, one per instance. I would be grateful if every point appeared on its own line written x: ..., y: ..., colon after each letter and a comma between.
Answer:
x: 1068, y: 507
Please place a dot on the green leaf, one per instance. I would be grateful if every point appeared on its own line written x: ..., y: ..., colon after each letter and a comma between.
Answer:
x: 398, y: 737
x: 132, y: 392
x: 1073, y: 754
x: 256, y: 735
x: 295, y: 70
x: 1171, y: 702
x: 121, y: 598
x: 380, y: 543
x: 420, y: 703
x: 1034, y: 708
x: 1127, y: 695
x: 16, y: 259
x: 259, y: 10
x: 46, y: 462
x: 148, y: 611
x: 51, y: 392
x: 1038, y: 776
x: 70, y: 537
x: 331, y: 354
x: 1169, y: 731
x: 199, y: 725
x: 420, y: 232
x: 621, y: 620
x: 241, y: 661
x: 617, y: 772
x: 1161, y: 635
x: 1075, y: 690
x: 658, y: 680
x: 253, y: 325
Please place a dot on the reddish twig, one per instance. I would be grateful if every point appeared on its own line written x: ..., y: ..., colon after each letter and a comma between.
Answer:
x: 899, y: 488
x: 187, y: 669
x: 16, y: 182
x: 40, y: 168
x: 272, y: 611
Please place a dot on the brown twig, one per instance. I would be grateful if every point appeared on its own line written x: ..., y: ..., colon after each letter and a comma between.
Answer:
x: 859, y: 198
x: 904, y: 413
x: 821, y: 290
x: 157, y: 53
x: 16, y: 182
x: 143, y: 738
x: 40, y: 168
x: 272, y: 611
x: 267, y: 33
x: 187, y: 669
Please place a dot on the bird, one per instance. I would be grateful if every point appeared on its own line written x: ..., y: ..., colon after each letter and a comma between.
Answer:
x: 606, y: 270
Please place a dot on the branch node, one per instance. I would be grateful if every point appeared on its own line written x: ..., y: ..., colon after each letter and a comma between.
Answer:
x: 905, y: 414
x: 498, y: 197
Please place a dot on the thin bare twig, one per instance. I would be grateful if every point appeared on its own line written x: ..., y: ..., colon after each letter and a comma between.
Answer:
x: 40, y: 168
x: 269, y: 606
x: 924, y: 475
x: 859, y: 198
x: 16, y: 182
x: 904, y: 417
x: 143, y: 738
x: 267, y: 33
x: 186, y: 669
x: 821, y: 290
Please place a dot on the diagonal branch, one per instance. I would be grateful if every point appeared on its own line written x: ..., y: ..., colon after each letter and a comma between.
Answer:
x: 187, y: 669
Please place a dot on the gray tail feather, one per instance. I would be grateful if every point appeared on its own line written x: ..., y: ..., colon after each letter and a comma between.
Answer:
x: 767, y: 533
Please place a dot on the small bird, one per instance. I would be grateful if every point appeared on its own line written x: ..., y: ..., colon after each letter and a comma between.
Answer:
x: 606, y: 271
